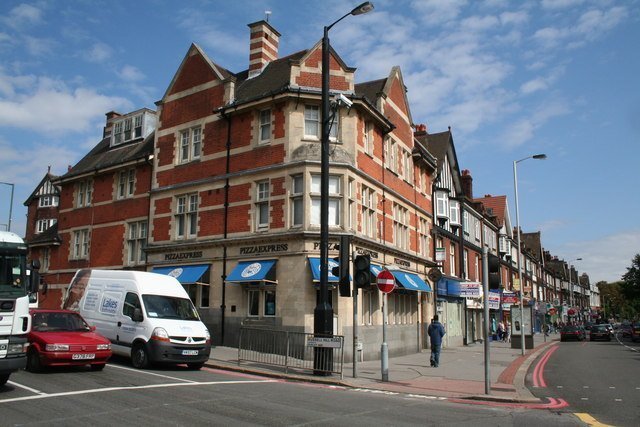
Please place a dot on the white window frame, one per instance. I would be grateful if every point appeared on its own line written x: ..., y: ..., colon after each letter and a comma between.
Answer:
x: 335, y: 200
x: 127, y: 129
x: 296, y: 200
x: 48, y: 200
x: 263, y: 190
x: 400, y: 226
x: 454, y: 212
x: 81, y: 242
x: 264, y: 126
x: 43, y: 224
x: 312, y: 119
x: 136, y: 241
x: 452, y: 259
x: 186, y: 216
x: 368, y: 137
x: 442, y: 204
x: 126, y: 183
x: 190, y: 144
x: 84, y: 191
x: 260, y: 297
x: 424, y: 237
x: 368, y: 212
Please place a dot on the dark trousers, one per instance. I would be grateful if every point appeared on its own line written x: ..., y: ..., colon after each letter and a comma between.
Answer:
x: 435, y: 354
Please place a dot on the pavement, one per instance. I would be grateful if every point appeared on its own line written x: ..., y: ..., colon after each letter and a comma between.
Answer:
x: 461, y: 374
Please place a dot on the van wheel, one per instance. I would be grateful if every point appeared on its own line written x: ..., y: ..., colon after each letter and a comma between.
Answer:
x: 3, y: 379
x: 139, y: 356
x: 33, y: 361
x: 195, y: 366
x: 97, y: 367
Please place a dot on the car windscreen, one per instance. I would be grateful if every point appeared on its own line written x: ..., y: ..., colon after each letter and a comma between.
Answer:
x: 59, y: 322
x: 599, y: 328
x: 166, y: 307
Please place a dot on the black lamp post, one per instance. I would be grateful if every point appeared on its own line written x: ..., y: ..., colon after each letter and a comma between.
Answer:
x: 323, y: 313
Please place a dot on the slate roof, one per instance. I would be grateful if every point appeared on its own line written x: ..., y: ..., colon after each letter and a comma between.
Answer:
x: 103, y: 156
x: 47, y: 237
x: 371, y: 90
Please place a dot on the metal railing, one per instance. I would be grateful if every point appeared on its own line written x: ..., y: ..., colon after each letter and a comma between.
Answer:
x: 292, y: 350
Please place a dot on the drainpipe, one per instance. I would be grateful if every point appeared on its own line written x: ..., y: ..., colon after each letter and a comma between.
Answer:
x: 463, y: 267
x: 226, y: 223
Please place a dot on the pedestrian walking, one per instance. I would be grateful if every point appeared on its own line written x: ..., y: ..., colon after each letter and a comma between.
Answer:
x: 436, y: 332
x: 501, y: 331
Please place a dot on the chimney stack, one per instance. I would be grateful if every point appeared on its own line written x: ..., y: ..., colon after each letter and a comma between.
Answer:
x: 263, y: 46
x: 467, y: 183
x: 111, y: 116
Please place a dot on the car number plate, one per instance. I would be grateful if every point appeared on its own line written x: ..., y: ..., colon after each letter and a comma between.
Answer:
x: 83, y: 356
x: 189, y: 352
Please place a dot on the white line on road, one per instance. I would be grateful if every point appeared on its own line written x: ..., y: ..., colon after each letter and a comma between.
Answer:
x: 559, y: 386
x: 141, y: 387
x: 612, y: 388
x: 585, y: 386
x: 32, y: 390
x: 150, y: 373
x: 584, y: 398
x: 618, y: 400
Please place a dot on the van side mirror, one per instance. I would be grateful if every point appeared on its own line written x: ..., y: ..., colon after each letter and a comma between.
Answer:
x: 137, y: 315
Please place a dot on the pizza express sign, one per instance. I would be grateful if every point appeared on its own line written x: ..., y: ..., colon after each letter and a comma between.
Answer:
x: 182, y: 255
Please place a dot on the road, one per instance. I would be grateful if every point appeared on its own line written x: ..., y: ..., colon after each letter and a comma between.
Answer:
x: 121, y: 395
x: 601, y: 379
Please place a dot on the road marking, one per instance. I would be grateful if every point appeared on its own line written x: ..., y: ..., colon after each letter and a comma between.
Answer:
x: 32, y: 390
x: 589, y: 420
x: 612, y: 388
x: 140, y: 371
x: 140, y: 387
x: 618, y: 400
x: 584, y: 398
x: 585, y: 386
x: 538, y: 371
x: 559, y: 386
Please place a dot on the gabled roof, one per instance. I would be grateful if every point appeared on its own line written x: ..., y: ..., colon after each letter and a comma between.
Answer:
x: 48, y: 177
x: 104, y: 156
x: 532, y: 242
x: 497, y: 206
x: 441, y: 146
x: 371, y: 90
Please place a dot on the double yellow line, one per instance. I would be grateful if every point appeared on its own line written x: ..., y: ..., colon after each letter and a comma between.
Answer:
x: 589, y: 420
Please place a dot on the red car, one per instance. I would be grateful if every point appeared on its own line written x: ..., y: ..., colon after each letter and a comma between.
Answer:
x: 63, y: 338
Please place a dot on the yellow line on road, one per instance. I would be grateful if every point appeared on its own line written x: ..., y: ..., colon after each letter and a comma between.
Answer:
x: 589, y: 420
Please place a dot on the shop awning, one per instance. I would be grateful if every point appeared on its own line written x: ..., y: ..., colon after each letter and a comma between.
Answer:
x: 375, y: 270
x: 184, y: 273
x: 253, y: 271
x: 410, y: 281
x: 314, y: 264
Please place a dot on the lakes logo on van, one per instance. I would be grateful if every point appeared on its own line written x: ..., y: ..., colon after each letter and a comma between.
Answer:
x: 109, y: 305
x: 251, y: 270
x: 176, y: 272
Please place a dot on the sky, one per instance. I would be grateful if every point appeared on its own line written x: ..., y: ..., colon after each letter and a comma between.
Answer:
x: 511, y: 78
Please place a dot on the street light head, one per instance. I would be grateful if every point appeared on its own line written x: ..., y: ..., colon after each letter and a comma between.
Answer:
x: 540, y: 156
x: 578, y: 259
x: 363, y: 8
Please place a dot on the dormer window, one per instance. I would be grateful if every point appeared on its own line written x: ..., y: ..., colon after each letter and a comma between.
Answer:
x: 442, y: 205
x: 134, y: 126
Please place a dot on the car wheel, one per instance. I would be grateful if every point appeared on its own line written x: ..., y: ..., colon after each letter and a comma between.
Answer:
x: 98, y: 367
x: 195, y: 366
x: 3, y: 379
x: 33, y: 361
x: 139, y: 356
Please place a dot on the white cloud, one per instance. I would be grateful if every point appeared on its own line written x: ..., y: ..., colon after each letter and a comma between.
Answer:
x: 130, y: 73
x: 560, y: 4
x: 606, y: 258
x: 523, y: 130
x: 437, y: 11
x: 514, y: 18
x: 533, y: 86
x: 46, y: 105
x: 479, y: 23
x: 39, y: 46
x: 99, y: 52
x: 23, y: 15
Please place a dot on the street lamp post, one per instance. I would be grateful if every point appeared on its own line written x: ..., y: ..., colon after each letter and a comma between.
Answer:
x: 515, y: 185
x: 10, y: 204
x: 323, y: 313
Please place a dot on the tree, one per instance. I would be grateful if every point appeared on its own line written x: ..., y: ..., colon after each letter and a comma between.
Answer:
x: 630, y: 285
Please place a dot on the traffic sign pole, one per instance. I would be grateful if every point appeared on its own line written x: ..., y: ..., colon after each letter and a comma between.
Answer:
x: 386, y: 283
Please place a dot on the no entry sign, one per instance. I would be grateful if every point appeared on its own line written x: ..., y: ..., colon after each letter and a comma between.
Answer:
x: 386, y: 282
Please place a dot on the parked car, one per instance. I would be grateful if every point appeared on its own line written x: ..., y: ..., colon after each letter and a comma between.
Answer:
x: 626, y: 329
x: 572, y: 332
x: 599, y: 332
x: 635, y: 332
x: 63, y: 338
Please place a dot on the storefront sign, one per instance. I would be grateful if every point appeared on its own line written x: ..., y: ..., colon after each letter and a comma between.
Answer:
x: 402, y: 262
x: 331, y: 246
x: 362, y: 251
x: 494, y: 300
x: 182, y: 255
x: 264, y: 249
x: 440, y: 255
x: 470, y: 289
x: 509, y: 298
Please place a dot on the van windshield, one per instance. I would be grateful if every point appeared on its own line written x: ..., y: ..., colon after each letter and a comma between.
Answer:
x: 165, y: 307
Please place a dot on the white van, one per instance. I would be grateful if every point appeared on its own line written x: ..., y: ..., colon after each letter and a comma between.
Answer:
x: 146, y: 316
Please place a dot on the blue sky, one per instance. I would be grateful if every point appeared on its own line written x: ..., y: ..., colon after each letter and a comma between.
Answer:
x: 511, y: 78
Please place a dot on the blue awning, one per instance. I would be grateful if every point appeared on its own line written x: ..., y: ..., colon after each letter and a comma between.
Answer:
x: 411, y: 281
x: 314, y: 264
x: 252, y: 271
x: 184, y: 273
x: 375, y: 270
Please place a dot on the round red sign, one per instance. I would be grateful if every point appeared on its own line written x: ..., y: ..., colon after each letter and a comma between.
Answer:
x: 386, y: 281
